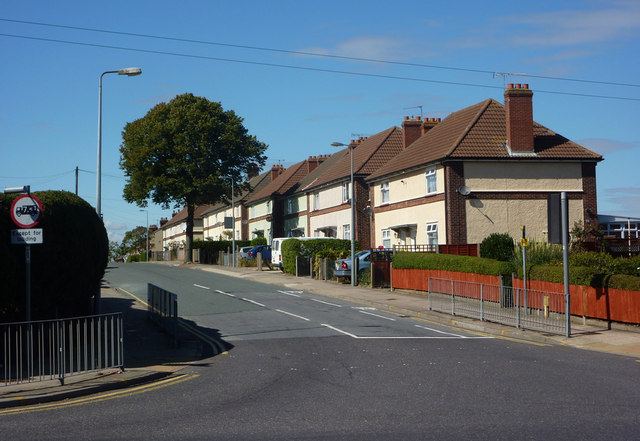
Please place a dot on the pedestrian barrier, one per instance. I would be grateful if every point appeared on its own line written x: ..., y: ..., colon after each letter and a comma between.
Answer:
x: 56, y: 349
x: 163, y: 310
x: 532, y: 309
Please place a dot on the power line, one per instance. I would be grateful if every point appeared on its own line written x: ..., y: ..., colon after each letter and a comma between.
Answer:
x: 315, y: 54
x: 305, y: 68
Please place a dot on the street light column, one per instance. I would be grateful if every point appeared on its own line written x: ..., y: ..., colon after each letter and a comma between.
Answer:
x: 353, y: 224
x: 130, y: 72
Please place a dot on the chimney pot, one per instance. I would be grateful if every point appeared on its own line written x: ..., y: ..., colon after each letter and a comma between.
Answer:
x: 510, y: 86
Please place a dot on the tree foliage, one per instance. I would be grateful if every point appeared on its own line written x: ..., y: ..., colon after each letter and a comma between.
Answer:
x: 134, y: 241
x: 184, y: 153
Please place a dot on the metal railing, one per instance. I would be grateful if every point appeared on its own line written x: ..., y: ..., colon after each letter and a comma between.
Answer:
x: 532, y: 309
x: 163, y: 310
x: 56, y: 349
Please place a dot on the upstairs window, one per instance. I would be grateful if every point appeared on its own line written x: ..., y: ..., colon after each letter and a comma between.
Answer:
x: 430, y: 176
x: 345, y: 192
x: 384, y: 192
x: 316, y: 200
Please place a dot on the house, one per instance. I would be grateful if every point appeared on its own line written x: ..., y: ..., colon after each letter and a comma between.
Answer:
x: 329, y: 194
x: 621, y: 234
x: 213, y: 218
x: 266, y: 208
x: 488, y: 168
x: 174, y: 234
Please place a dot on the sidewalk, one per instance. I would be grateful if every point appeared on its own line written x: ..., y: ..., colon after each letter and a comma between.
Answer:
x: 149, y: 356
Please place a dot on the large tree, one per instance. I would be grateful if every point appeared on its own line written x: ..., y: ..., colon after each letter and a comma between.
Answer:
x: 186, y: 153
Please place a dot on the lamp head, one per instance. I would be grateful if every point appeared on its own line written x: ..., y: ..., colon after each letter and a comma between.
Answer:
x: 130, y: 71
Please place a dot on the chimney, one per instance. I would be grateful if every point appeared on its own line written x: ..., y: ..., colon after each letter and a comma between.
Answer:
x: 252, y: 171
x: 518, y: 101
x: 411, y: 131
x: 428, y: 124
x: 163, y: 220
x: 276, y: 170
x: 314, y: 161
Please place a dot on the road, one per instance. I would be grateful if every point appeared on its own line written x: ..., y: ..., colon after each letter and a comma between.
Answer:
x: 309, y: 367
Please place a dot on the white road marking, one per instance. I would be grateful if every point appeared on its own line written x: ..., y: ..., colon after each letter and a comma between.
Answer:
x: 417, y: 337
x: 327, y: 303
x: 225, y: 293
x: 293, y: 315
x: 379, y: 316
x: 254, y: 302
x: 200, y: 286
x: 291, y: 293
x: 441, y: 332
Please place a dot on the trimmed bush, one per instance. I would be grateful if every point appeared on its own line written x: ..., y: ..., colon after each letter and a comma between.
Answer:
x: 292, y: 248
x: 448, y: 262
x: 66, y: 269
x: 210, y: 249
x: 583, y: 275
x: 498, y: 246
x: 256, y: 241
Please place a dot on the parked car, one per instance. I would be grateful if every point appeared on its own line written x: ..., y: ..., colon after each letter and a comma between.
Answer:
x: 265, y: 250
x: 342, y: 267
x: 244, y: 252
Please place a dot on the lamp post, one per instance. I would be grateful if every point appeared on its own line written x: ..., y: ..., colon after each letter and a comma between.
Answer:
x: 130, y: 72
x: 353, y: 222
x: 147, y: 211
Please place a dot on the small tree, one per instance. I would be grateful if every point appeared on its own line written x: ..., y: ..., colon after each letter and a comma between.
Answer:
x: 498, y: 246
x: 134, y: 241
x: 186, y: 153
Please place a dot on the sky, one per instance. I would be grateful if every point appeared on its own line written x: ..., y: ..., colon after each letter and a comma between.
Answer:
x: 306, y: 74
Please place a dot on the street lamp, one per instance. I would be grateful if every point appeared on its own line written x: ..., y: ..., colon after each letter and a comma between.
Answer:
x: 353, y: 222
x: 130, y: 72
x: 147, y: 211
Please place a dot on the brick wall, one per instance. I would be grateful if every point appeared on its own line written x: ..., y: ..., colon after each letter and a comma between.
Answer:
x: 456, y: 218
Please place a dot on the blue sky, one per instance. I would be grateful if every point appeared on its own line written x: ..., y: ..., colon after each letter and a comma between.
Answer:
x: 439, y: 55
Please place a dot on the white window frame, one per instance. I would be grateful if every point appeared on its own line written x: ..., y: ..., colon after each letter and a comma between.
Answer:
x: 269, y: 206
x: 384, y: 192
x: 386, y: 238
x: 432, y: 233
x: 316, y: 200
x: 346, y: 231
x: 431, y: 177
x: 346, y: 194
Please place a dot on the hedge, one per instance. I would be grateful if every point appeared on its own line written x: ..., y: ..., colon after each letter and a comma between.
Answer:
x: 583, y: 275
x: 210, y: 249
x: 293, y: 248
x: 66, y: 269
x: 449, y: 262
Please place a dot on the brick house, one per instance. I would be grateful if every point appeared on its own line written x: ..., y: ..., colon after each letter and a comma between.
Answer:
x: 174, y: 234
x: 484, y: 169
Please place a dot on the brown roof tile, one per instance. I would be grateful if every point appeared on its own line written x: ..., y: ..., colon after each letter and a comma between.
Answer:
x: 479, y: 132
x: 284, y: 183
x: 181, y: 216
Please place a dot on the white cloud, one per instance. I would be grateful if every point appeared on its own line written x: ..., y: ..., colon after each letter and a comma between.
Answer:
x: 370, y: 47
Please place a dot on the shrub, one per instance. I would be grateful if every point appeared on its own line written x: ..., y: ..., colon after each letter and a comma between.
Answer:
x: 498, y: 246
x: 66, y: 269
x: 258, y: 241
x: 448, y: 262
x: 209, y: 249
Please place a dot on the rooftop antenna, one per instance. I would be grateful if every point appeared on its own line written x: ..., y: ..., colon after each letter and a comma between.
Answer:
x: 504, y: 76
x: 415, y: 107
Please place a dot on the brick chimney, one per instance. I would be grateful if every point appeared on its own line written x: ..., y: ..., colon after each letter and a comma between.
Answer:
x: 276, y: 170
x: 252, y: 171
x: 411, y: 131
x: 428, y: 124
x: 518, y: 101
x: 314, y: 161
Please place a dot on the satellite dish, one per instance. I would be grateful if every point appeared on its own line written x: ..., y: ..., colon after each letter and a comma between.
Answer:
x: 464, y: 190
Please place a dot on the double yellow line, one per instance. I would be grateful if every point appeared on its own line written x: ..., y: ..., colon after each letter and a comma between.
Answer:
x: 101, y: 397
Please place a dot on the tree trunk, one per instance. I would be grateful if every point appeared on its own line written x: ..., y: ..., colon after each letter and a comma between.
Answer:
x: 188, y: 246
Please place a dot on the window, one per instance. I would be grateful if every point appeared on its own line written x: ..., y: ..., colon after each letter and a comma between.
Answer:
x: 316, y: 200
x: 386, y: 238
x: 252, y: 212
x: 384, y: 192
x: 432, y: 234
x: 346, y: 232
x: 268, y: 206
x: 345, y: 192
x: 289, y: 206
x: 430, y: 175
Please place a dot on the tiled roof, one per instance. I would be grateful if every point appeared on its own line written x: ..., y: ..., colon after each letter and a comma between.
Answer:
x: 283, y: 183
x: 181, y: 216
x: 329, y: 163
x: 256, y: 184
x: 369, y: 155
x: 479, y: 132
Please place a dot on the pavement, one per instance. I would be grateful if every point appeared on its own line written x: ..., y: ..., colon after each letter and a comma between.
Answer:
x: 149, y: 355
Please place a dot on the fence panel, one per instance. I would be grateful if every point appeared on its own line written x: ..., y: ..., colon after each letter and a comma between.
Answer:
x: 163, y: 310
x: 532, y: 309
x: 56, y: 349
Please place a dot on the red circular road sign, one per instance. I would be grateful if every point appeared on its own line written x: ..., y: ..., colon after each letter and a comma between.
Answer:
x: 26, y: 211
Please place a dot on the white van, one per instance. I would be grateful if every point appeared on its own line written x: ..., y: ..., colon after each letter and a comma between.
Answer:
x: 276, y: 248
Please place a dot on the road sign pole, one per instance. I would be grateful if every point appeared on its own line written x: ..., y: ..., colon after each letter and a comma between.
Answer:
x: 27, y: 254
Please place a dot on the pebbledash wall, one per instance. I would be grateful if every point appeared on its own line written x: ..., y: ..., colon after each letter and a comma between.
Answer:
x: 598, y: 303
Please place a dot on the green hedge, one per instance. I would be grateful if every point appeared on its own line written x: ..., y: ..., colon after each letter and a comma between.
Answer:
x: 66, y: 269
x: 293, y: 248
x: 583, y: 275
x: 210, y: 249
x: 449, y: 262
